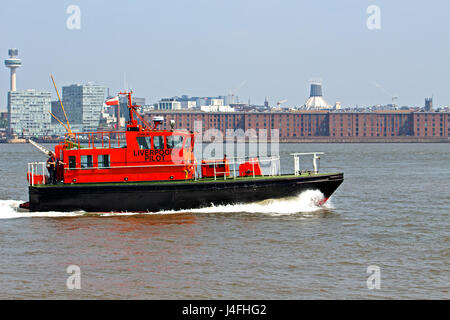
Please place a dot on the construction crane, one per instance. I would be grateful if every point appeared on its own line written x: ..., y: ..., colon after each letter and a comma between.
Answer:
x: 393, y: 97
x: 67, y: 125
x: 233, y: 93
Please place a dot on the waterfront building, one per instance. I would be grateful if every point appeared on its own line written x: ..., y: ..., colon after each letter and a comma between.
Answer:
x: 303, y: 124
x: 371, y: 124
x: 216, y: 108
x: 28, y: 114
x: 4, y: 120
x: 216, y: 102
x: 169, y: 104
x: 57, y: 112
x: 187, y: 102
x: 431, y: 124
x: 200, y: 101
x: 147, y: 107
x: 83, y: 104
x: 189, y: 105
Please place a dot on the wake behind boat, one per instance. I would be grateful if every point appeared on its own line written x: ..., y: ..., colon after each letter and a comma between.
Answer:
x: 145, y: 168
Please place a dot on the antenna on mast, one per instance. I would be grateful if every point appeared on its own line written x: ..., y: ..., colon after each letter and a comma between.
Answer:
x: 132, y: 110
x: 125, y: 84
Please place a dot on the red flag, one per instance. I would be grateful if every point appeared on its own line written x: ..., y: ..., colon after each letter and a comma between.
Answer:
x: 113, y: 101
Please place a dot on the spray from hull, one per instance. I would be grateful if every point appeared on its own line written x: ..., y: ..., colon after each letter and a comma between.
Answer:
x: 307, y: 202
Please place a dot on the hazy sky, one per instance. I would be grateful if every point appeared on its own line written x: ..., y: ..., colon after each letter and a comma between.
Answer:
x: 253, y: 48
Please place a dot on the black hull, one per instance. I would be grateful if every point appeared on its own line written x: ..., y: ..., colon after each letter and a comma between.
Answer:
x: 156, y: 197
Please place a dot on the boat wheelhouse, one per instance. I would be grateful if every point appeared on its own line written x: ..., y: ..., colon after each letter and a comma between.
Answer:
x: 140, y: 153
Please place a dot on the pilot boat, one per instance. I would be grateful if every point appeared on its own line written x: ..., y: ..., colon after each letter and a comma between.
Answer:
x: 147, y: 169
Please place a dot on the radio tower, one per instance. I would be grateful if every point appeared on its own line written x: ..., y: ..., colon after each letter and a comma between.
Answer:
x: 13, y: 63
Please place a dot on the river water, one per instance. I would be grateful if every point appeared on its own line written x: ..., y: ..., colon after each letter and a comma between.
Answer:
x: 391, y: 213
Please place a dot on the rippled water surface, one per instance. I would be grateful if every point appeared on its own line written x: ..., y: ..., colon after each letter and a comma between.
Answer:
x: 392, y: 211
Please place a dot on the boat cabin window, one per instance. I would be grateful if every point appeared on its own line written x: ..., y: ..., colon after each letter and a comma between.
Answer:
x: 158, y: 142
x: 174, y: 142
x: 103, y: 161
x: 72, y: 162
x: 144, y: 142
x: 86, y: 162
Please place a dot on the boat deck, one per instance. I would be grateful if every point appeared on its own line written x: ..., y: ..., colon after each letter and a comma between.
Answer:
x: 198, y: 181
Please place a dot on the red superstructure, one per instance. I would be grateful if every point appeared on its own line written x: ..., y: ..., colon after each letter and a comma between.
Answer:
x: 141, y: 153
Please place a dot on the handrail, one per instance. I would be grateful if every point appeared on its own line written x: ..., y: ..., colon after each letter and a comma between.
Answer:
x: 92, y: 136
x: 122, y: 167
x: 273, y: 160
x: 274, y: 170
x: 297, y: 155
x: 251, y: 160
x: 32, y: 169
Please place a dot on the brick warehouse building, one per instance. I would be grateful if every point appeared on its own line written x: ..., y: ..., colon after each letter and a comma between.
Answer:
x: 371, y: 124
x: 431, y: 124
x: 301, y: 125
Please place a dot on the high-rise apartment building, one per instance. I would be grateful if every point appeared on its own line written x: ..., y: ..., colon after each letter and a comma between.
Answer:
x: 83, y: 104
x: 28, y: 114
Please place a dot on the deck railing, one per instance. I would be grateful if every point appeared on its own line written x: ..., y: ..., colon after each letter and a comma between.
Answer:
x: 33, y: 170
x: 274, y: 162
x: 37, y: 169
x: 172, y: 164
x: 103, y: 139
x: 233, y: 164
x: 316, y: 164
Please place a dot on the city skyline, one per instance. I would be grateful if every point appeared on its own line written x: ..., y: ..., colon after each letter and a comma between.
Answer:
x: 196, y: 52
